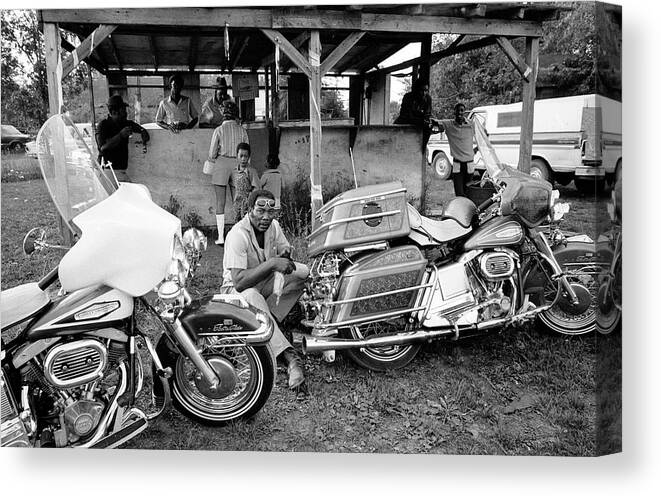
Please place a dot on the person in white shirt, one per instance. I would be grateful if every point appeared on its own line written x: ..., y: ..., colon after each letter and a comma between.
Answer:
x: 177, y: 111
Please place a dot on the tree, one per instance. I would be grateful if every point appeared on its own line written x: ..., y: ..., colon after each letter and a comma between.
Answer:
x: 24, y: 83
x: 579, y: 54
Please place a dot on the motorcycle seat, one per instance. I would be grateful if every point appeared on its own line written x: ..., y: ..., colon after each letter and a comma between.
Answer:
x: 440, y: 231
x: 20, y: 303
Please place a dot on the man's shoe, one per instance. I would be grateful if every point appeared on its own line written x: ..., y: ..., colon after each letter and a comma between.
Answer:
x: 294, y: 368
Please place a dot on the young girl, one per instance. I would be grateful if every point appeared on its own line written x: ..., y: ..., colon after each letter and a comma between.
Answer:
x: 271, y: 179
x: 242, y: 180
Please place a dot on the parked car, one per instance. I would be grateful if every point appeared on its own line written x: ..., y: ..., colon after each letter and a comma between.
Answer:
x: 13, y: 139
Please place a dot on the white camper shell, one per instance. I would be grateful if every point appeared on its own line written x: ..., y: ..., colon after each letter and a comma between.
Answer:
x: 576, y: 137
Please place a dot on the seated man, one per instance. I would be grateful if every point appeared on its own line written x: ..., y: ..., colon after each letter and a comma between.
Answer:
x: 255, y: 250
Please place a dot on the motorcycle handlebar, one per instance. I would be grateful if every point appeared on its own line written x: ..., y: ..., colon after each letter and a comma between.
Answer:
x: 48, y: 279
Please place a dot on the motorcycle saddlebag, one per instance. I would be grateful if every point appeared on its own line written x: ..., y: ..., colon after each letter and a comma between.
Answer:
x: 359, y: 216
x: 378, y: 273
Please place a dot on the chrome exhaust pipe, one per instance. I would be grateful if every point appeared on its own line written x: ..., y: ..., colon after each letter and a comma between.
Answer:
x: 317, y: 344
x: 314, y: 344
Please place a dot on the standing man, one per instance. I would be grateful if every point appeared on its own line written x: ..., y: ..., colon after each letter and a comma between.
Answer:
x: 459, y: 132
x: 112, y: 137
x: 213, y: 109
x: 176, y: 112
x: 255, y: 250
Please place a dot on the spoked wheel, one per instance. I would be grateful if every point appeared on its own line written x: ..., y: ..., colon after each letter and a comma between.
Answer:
x: 565, y: 317
x: 246, y: 375
x: 384, y: 357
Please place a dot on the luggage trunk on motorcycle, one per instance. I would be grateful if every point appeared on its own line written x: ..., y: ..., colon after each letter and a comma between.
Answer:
x: 361, y: 216
x: 376, y: 284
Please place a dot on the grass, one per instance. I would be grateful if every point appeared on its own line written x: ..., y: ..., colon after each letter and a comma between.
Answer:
x: 519, y: 392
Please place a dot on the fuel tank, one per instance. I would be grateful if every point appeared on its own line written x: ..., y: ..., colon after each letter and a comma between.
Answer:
x: 80, y: 311
x: 500, y: 231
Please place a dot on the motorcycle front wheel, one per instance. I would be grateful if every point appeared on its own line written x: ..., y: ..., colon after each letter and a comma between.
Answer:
x: 384, y: 357
x: 247, y: 375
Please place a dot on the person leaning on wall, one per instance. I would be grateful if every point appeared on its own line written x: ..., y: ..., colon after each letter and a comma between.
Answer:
x: 176, y: 112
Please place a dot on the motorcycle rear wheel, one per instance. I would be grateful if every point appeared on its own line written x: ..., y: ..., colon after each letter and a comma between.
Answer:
x: 382, y: 358
x: 250, y: 372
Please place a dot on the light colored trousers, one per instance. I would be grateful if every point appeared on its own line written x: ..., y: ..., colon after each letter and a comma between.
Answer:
x: 262, y: 297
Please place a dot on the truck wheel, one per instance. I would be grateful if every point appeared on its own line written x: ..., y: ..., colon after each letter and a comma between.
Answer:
x: 442, y: 166
x: 539, y: 170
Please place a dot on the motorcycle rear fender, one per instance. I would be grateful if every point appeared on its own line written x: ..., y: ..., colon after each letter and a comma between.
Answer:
x: 229, y: 317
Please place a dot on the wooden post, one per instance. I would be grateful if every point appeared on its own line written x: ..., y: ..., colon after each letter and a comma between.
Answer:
x: 314, y: 54
x: 425, y: 75
x: 54, y: 80
x: 528, y: 110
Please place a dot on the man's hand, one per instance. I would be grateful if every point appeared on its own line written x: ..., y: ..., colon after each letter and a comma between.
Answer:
x: 125, y: 132
x: 281, y: 264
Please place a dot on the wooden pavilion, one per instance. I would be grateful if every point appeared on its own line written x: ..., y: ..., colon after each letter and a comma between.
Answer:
x: 304, y: 42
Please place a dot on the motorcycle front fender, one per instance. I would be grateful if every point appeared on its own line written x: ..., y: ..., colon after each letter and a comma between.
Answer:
x: 221, y: 315
x: 577, y: 252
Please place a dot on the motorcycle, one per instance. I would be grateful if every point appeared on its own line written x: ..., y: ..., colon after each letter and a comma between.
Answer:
x: 609, y: 314
x: 72, y: 360
x: 384, y: 279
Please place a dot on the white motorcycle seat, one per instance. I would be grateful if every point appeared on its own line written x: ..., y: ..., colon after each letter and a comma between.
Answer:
x: 439, y: 230
x: 20, y: 303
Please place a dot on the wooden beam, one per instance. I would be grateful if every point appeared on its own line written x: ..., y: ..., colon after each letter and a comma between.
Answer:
x: 340, y: 51
x: 314, y: 54
x: 192, y: 52
x: 86, y: 48
x: 297, y: 42
x: 436, y: 56
x: 516, y: 59
x: 154, y: 53
x: 54, y: 80
x: 237, y: 51
x: 292, y: 52
x: 528, y: 106
x: 114, y: 53
x: 367, y: 62
x: 288, y: 18
x: 93, y: 60
x: 478, y: 10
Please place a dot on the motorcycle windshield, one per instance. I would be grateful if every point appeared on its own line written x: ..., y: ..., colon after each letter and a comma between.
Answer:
x: 491, y: 161
x: 74, y: 178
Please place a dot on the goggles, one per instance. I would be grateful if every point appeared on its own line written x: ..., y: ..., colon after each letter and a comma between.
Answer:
x: 264, y: 203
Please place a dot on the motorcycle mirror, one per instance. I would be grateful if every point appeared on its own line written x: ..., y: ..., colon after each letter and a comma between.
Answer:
x: 34, y: 240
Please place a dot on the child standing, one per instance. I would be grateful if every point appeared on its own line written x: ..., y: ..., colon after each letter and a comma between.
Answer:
x: 271, y: 179
x: 242, y: 180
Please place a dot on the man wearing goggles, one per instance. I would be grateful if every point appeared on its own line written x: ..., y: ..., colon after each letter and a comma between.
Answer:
x: 256, y: 250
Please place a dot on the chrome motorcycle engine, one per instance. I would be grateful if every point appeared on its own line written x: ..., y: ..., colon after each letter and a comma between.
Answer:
x: 72, y: 364
x: 496, y: 266
x: 82, y: 416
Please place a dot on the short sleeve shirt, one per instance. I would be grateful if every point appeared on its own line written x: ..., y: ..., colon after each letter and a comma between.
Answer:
x: 108, y: 129
x: 460, y: 139
x: 242, y: 250
x: 171, y: 112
